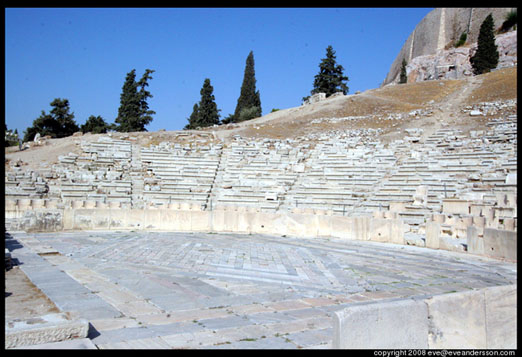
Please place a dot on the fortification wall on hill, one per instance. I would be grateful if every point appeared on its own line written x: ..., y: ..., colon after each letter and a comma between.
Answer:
x: 440, y: 28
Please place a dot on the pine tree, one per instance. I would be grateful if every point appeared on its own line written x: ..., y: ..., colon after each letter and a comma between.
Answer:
x: 59, y: 123
x: 486, y: 57
x: 208, y: 113
x: 60, y: 112
x: 134, y: 113
x: 95, y: 125
x: 330, y: 79
x: 404, y: 76
x: 249, y: 98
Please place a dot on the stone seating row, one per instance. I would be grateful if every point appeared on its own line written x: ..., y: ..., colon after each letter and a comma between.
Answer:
x: 332, y: 171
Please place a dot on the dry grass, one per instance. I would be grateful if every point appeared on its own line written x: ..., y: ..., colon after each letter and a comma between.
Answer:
x: 421, y: 93
x: 373, y: 106
x: 497, y: 85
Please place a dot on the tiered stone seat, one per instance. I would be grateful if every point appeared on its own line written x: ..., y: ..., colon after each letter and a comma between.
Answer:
x: 178, y: 174
x: 474, y: 172
x: 340, y: 178
x: 20, y: 184
x: 100, y: 173
x: 257, y: 173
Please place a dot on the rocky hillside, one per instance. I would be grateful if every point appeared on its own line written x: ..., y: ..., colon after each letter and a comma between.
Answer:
x: 439, y: 30
x: 454, y: 63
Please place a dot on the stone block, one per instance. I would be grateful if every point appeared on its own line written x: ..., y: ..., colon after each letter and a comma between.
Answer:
x: 230, y: 221
x: 152, y: 219
x: 397, y: 206
x: 76, y: 344
x: 500, y: 244
x: 479, y: 221
x: 386, y: 230
x: 200, y: 221
x: 433, y: 232
x: 300, y: 225
x: 380, y: 325
x: 44, y: 329
x: 352, y: 228
x: 509, y: 224
x: 457, y: 320
x: 454, y: 206
x: 501, y: 317
x: 217, y: 219
x: 439, y: 218
x: 474, y: 242
x: 324, y: 226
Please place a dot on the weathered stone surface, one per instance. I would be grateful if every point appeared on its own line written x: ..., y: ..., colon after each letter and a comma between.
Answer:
x: 457, y: 320
x: 387, y: 325
x: 424, y: 50
x: 44, y: 329
x: 501, y: 317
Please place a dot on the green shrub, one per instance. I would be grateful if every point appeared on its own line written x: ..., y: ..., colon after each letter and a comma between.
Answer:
x: 249, y: 113
x: 510, y: 21
x: 462, y: 40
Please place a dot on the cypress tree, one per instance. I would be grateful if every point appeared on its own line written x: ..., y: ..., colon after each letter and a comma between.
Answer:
x: 208, y: 113
x: 193, y: 120
x: 404, y: 76
x: 486, y: 57
x: 134, y: 113
x: 330, y: 78
x: 143, y: 94
x: 249, y: 101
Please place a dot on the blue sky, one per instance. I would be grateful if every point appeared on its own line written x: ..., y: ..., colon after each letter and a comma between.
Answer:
x: 84, y: 54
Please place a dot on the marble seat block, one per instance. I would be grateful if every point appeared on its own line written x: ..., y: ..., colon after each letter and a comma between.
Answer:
x: 114, y: 204
x: 90, y: 204
x: 10, y: 205
x: 37, y: 203
x: 24, y: 203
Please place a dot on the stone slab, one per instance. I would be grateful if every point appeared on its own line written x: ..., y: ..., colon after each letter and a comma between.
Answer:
x: 457, y: 321
x: 501, y: 317
x: 76, y: 344
x: 371, y: 325
x: 500, y: 244
x: 44, y: 329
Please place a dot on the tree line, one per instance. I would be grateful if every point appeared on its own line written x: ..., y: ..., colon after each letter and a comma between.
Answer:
x: 134, y: 112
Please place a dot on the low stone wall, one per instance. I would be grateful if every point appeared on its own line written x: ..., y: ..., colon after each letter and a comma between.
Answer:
x: 47, y: 216
x: 478, y: 319
x: 236, y: 220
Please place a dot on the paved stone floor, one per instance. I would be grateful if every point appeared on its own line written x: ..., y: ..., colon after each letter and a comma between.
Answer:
x: 195, y: 290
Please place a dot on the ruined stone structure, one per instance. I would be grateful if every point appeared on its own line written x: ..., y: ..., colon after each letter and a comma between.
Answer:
x: 439, y: 30
x: 432, y: 188
x: 122, y: 237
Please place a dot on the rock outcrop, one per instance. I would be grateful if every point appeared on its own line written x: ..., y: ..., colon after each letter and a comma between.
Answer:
x: 439, y: 30
x: 454, y: 63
